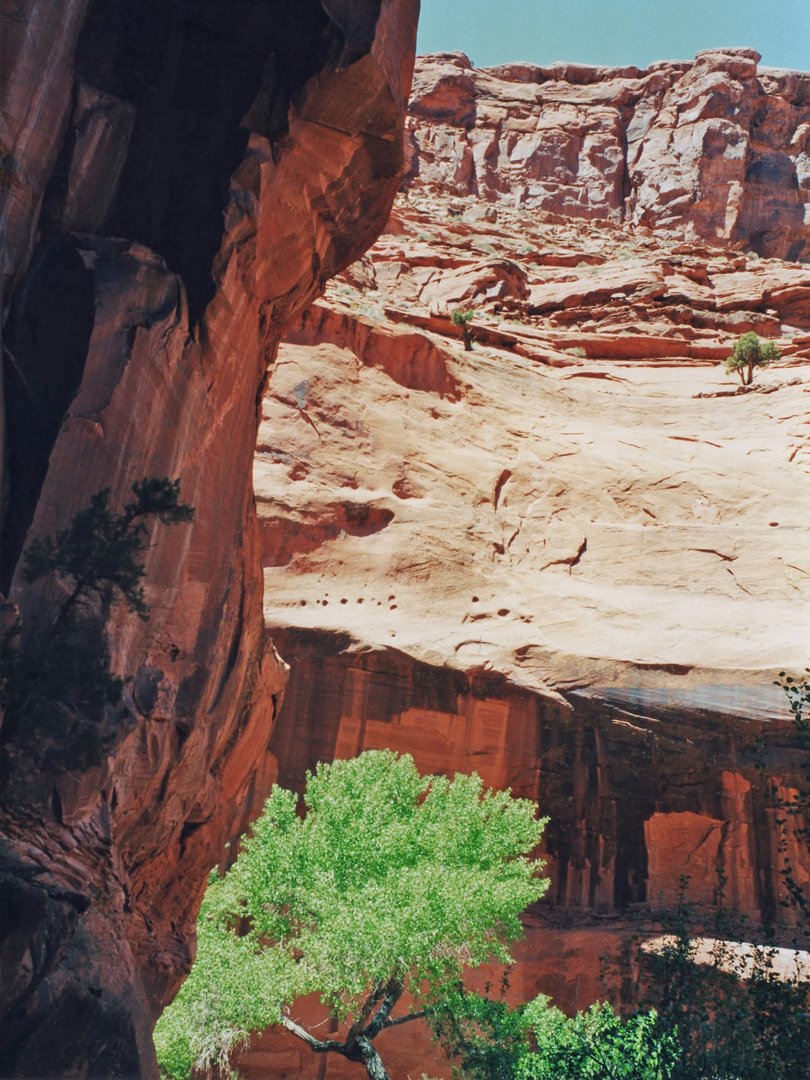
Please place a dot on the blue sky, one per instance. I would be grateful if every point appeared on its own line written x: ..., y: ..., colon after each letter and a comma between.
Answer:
x: 615, y: 31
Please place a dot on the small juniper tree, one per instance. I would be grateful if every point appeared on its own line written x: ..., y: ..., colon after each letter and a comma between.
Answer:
x: 61, y: 666
x: 390, y: 883
x: 462, y: 319
x: 748, y: 354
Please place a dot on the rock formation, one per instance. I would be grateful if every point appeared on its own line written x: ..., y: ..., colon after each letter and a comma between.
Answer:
x: 717, y: 148
x: 575, y: 558
x: 571, y: 559
x: 178, y: 181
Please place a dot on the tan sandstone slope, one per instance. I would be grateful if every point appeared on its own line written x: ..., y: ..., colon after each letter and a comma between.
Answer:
x: 574, y: 558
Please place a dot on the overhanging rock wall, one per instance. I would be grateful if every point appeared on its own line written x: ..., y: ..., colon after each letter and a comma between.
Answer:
x: 178, y: 181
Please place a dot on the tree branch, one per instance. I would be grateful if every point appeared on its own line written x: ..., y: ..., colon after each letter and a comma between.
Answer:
x: 404, y: 1019
x: 393, y: 992
x: 318, y: 1045
x: 356, y: 1030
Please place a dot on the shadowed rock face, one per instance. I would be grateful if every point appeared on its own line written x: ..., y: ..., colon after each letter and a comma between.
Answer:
x: 178, y: 181
x: 640, y: 788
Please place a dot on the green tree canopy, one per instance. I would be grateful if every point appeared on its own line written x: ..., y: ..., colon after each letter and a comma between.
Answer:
x: 390, y: 882
x: 748, y: 354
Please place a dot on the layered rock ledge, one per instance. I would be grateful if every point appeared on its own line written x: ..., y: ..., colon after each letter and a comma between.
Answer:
x: 718, y: 148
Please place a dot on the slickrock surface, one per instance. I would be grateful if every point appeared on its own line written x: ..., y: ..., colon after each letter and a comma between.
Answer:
x: 719, y: 148
x: 138, y: 323
x: 572, y: 559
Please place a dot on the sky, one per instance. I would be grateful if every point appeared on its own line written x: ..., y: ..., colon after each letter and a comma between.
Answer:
x: 615, y: 32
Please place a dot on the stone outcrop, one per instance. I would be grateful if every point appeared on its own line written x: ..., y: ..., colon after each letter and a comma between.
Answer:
x: 572, y: 558
x: 719, y: 146
x: 178, y: 182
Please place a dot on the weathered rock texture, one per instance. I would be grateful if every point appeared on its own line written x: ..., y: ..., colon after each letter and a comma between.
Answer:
x: 572, y: 559
x: 717, y: 146
x: 138, y: 326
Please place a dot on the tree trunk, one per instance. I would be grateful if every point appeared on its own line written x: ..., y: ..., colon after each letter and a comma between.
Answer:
x: 371, y: 1059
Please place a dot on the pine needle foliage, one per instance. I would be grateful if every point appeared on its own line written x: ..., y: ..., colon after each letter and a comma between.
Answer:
x: 55, y: 675
x: 100, y: 552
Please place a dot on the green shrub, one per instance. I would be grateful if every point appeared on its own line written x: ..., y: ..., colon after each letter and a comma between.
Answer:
x: 462, y: 319
x: 491, y: 1041
x: 596, y: 1044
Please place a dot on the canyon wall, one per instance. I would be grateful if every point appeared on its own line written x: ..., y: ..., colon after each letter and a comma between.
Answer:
x: 573, y: 558
x: 178, y: 181
x: 718, y: 147
x: 641, y: 787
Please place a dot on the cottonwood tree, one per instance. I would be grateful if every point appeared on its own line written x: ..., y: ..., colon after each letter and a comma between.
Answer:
x: 389, y: 883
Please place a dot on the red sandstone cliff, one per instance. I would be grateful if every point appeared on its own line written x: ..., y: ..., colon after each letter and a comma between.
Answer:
x: 422, y: 512
x: 178, y: 181
x: 717, y: 149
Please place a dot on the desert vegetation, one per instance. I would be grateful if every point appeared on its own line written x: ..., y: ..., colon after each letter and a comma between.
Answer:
x: 391, y: 883
x: 462, y: 319
x: 394, y: 885
x: 748, y: 354
x: 55, y: 671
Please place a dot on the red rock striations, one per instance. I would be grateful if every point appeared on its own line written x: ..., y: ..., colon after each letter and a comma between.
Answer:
x: 138, y: 327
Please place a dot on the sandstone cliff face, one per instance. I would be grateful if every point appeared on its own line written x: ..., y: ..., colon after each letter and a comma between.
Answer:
x: 178, y: 182
x: 717, y: 146
x: 573, y: 559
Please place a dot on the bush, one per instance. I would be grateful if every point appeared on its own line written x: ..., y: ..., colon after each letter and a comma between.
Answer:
x: 537, y: 1041
x: 728, y: 1014
x: 596, y: 1044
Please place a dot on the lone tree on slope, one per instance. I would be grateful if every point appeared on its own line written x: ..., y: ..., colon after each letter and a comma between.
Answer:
x: 748, y: 354
x: 462, y: 319
x: 390, y: 883
x: 55, y: 675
